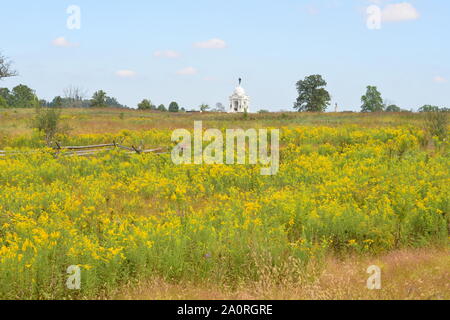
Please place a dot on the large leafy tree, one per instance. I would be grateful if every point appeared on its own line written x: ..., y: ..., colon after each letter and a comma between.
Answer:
x: 312, y: 95
x: 372, y: 100
x: 162, y: 108
x: 173, y: 107
x: 5, y: 68
x: 24, y: 97
x: 99, y: 99
x: 146, y: 104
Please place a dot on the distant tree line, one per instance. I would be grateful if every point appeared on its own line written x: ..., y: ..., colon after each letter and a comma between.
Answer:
x: 313, y: 97
x: 428, y: 108
x: 147, y: 104
x: 22, y: 96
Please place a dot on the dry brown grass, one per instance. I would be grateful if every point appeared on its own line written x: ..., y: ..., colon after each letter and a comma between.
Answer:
x: 420, y: 274
x: 16, y: 122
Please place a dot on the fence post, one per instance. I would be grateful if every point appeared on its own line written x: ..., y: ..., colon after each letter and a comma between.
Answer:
x: 137, y: 150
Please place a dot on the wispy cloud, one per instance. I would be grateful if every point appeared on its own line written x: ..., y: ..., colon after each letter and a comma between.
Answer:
x: 211, y: 44
x: 439, y: 79
x: 400, y: 12
x: 312, y: 9
x: 187, y: 71
x: 125, y: 73
x: 171, y: 54
x: 63, y: 42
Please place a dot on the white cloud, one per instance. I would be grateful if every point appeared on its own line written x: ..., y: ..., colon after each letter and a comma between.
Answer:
x: 63, y: 42
x: 312, y: 10
x: 171, y: 54
x: 439, y: 79
x: 125, y: 73
x: 211, y: 44
x: 187, y: 71
x: 400, y: 12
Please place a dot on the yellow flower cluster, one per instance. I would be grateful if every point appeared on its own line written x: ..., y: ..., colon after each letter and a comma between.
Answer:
x: 121, y: 217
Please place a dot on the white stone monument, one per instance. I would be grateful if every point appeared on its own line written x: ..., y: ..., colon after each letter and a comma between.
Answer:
x: 239, y: 101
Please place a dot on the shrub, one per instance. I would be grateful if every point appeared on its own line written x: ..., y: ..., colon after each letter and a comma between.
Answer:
x: 47, y: 121
x: 436, y: 124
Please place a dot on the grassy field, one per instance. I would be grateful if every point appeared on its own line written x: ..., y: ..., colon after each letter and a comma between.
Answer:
x: 96, y: 121
x: 353, y: 190
x: 413, y: 274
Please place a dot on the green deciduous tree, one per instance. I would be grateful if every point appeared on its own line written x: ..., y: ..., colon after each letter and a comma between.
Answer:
x: 24, y: 97
x: 146, y: 104
x: 312, y: 95
x: 99, y: 99
x: 173, y: 107
x: 162, y: 108
x: 372, y: 100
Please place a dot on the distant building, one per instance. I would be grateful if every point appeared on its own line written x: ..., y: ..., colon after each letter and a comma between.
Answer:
x: 239, y: 101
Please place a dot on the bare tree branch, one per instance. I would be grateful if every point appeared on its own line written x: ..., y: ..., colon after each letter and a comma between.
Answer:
x: 74, y: 96
x: 5, y: 68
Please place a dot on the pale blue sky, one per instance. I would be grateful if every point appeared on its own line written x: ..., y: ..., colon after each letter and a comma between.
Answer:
x: 270, y: 44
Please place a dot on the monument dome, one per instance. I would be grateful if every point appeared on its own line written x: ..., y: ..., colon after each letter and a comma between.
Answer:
x: 239, y: 101
x: 239, y: 91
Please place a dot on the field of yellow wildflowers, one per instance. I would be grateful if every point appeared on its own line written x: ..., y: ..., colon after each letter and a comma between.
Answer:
x: 342, y: 188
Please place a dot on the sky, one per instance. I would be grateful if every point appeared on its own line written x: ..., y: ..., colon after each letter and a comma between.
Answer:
x: 194, y: 52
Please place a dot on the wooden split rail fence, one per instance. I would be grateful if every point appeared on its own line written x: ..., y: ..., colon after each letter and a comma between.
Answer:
x: 84, y: 151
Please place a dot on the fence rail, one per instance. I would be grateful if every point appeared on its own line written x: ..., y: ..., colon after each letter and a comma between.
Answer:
x: 85, y: 147
x: 91, y: 150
